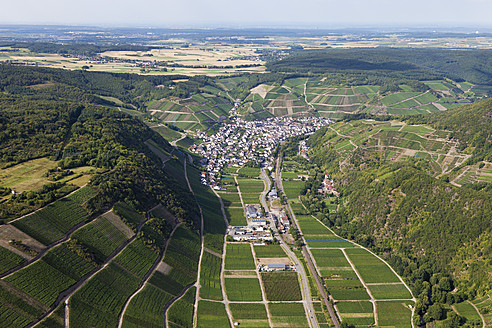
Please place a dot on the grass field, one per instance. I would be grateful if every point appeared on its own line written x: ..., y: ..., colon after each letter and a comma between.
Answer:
x: 210, y: 277
x: 239, y: 257
x: 268, y: 251
x: 281, y: 286
x: 250, y: 172
x: 313, y: 227
x: 235, y: 216
x: 27, y: 176
x: 288, y: 315
x: 395, y: 314
x: 243, y: 289
x: 212, y: 315
x: 371, y: 269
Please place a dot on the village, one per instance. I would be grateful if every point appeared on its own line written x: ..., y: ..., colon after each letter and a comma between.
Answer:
x: 240, y: 142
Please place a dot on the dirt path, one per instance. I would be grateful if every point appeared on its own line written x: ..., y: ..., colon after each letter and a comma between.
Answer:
x: 68, y: 293
x: 145, y: 279
x: 50, y: 246
x: 239, y: 191
x: 480, y: 314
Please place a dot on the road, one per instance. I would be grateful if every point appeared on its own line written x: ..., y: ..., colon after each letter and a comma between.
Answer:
x: 333, y: 316
x: 306, y: 292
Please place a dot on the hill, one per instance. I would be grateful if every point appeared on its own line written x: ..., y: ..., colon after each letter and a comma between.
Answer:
x: 394, y: 178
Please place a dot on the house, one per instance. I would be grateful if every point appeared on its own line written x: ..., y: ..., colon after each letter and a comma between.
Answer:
x: 258, y: 222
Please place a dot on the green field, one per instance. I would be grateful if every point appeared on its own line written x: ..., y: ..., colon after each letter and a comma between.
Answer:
x: 356, y: 313
x: 371, y: 269
x: 136, y: 258
x: 386, y: 292
x: 328, y: 242
x: 53, y: 221
x: 288, y: 315
x: 239, y: 257
x: 212, y: 315
x: 146, y: 308
x: 249, y: 172
x: 465, y: 309
x: 292, y: 189
x: 281, y: 286
x: 210, y: 277
x: 313, y: 227
x: 347, y: 293
x: 100, y: 238
x: 249, y: 314
x: 181, y: 312
x: 329, y: 258
x: 243, y: 289
x: 9, y: 260
x: 395, y: 314
x: 101, y: 299
x: 267, y: 251
x: 235, y: 216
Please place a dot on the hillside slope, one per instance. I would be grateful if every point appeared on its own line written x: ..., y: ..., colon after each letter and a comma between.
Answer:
x: 435, y: 234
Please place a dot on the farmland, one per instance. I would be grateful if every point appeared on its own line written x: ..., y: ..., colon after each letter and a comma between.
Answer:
x: 249, y: 314
x: 281, y: 286
x: 210, y: 287
x: 269, y: 251
x: 212, y: 314
x: 397, y: 314
x: 243, y: 289
x: 239, y: 257
x: 146, y: 309
x: 53, y: 221
x: 292, y: 314
x: 180, y: 314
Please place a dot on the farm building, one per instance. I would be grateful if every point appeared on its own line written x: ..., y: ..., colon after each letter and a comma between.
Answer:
x: 276, y: 266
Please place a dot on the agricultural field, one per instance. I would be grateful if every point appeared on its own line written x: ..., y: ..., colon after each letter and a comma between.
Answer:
x: 212, y: 314
x: 288, y: 314
x: 243, y: 289
x: 356, y: 313
x: 146, y: 308
x: 484, y: 305
x: 396, y: 314
x: 239, y: 257
x: 101, y: 299
x: 292, y: 188
x: 251, y: 190
x: 53, y: 221
x: 466, y: 310
x: 269, y: 251
x: 9, y: 260
x: 210, y: 287
x: 281, y: 286
x: 371, y: 269
x: 249, y: 314
x: 180, y: 314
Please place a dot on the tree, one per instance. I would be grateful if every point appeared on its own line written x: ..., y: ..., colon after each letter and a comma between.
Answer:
x: 436, y: 312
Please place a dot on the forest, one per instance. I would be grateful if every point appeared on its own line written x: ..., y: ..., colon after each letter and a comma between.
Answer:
x: 423, y: 226
x: 471, y: 65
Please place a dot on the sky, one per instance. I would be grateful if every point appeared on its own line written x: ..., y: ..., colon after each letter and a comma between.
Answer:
x: 250, y: 13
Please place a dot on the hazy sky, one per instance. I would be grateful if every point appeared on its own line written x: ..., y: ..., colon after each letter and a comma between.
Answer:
x: 196, y: 13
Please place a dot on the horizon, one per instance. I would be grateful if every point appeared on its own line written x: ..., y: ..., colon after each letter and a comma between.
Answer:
x: 313, y: 14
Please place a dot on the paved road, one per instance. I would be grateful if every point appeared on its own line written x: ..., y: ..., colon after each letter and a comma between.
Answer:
x: 306, y: 255
x: 308, y: 303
